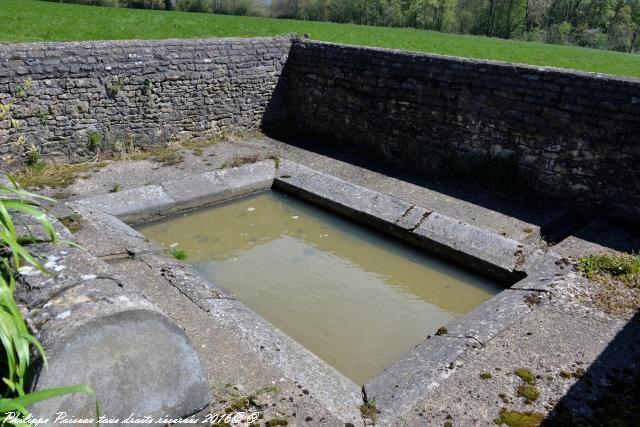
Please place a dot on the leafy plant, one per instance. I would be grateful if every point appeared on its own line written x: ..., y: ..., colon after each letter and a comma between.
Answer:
x: 179, y: 253
x: 5, y: 110
x: 20, y: 141
x: 114, y: 87
x: 15, y: 336
x: 148, y: 87
x: 94, y: 141
x: 33, y: 156
x: 21, y: 90
x: 42, y: 116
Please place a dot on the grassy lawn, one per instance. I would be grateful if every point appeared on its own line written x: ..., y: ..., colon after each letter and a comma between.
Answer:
x: 32, y: 20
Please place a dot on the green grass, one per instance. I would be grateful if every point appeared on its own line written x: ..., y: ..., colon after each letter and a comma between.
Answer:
x: 179, y: 254
x: 32, y: 20
x: 625, y: 267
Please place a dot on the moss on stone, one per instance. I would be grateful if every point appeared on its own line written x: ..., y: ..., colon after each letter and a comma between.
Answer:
x: 526, y: 375
x: 276, y: 422
x: 441, y: 331
x: 529, y: 392
x: 566, y: 374
x: 519, y: 419
x: 485, y: 375
x: 72, y: 222
x: 369, y: 410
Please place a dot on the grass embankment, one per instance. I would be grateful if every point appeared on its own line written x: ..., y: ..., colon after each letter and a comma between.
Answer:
x: 32, y: 20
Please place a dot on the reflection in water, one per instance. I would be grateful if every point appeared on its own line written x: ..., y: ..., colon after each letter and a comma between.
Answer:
x: 356, y: 298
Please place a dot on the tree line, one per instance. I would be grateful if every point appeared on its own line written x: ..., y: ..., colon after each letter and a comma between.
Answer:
x: 601, y: 24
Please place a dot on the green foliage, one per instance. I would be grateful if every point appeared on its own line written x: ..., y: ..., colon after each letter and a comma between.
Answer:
x: 558, y: 21
x: 22, y: 89
x: 33, y: 156
x: 42, y: 116
x: 116, y: 188
x: 276, y: 422
x: 15, y: 336
x: 94, y: 141
x: 148, y: 87
x: 113, y: 88
x: 179, y: 253
x: 625, y: 267
x: 441, y: 331
x: 37, y: 21
x: 72, y: 222
x: 53, y: 174
x: 5, y: 110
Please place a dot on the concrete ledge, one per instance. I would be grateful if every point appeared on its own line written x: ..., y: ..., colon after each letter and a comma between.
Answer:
x: 196, y: 190
x: 133, y: 204
x: 333, y: 390
x: 483, y: 250
x: 476, y: 248
x: 118, y: 240
x: 371, y: 207
x: 404, y: 383
x: 248, y: 178
x: 212, y: 187
x: 149, y: 201
x: 186, y: 279
x: 490, y: 318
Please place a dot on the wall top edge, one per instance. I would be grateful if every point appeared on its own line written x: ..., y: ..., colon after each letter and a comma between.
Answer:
x: 421, y: 56
x: 93, y: 44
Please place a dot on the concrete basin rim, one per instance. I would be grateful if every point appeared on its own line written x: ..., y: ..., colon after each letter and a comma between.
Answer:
x: 521, y: 275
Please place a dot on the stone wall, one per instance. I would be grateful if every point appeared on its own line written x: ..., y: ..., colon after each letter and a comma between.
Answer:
x: 572, y: 136
x: 65, y: 97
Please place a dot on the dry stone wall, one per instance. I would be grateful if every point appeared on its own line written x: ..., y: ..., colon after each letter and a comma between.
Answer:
x: 573, y: 137
x: 569, y: 135
x: 66, y: 98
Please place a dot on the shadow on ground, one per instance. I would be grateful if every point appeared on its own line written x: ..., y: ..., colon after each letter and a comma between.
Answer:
x: 556, y: 223
x: 608, y: 393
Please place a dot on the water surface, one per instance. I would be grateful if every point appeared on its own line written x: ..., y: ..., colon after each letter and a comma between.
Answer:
x: 356, y: 298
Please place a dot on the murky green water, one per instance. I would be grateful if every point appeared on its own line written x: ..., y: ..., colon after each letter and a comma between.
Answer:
x: 356, y: 298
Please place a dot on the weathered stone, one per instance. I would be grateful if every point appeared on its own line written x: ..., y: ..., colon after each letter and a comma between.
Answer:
x: 137, y: 361
x: 403, y: 384
x: 99, y: 330
x: 132, y: 204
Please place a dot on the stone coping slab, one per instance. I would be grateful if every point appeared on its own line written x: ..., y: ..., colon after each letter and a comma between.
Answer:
x: 149, y: 201
x: 528, y: 272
